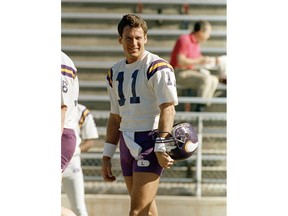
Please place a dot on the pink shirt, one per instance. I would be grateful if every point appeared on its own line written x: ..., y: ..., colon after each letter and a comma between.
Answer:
x: 187, y: 45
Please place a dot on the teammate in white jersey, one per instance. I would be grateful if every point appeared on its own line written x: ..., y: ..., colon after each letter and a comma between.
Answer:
x: 69, y: 100
x: 73, y: 181
x: 143, y: 95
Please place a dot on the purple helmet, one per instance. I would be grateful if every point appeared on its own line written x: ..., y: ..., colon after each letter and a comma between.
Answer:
x: 185, y: 141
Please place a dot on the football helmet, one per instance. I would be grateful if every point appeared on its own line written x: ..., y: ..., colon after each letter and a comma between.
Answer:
x: 182, y: 143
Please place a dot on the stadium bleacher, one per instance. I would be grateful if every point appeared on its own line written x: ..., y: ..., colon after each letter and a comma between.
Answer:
x: 89, y: 37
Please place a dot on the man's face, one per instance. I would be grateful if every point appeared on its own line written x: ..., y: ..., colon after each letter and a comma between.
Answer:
x: 133, y: 41
x: 205, y: 35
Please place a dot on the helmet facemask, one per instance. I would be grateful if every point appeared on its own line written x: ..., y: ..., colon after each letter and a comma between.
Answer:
x: 182, y: 142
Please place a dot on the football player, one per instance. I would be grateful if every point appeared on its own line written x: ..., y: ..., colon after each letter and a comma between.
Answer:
x: 143, y: 96
x: 69, y: 100
x: 73, y: 180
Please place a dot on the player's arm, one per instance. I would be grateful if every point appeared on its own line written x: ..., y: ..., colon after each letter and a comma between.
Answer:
x: 112, y: 139
x: 166, y: 121
x: 164, y: 84
x: 88, y: 132
x: 87, y: 144
x: 112, y: 131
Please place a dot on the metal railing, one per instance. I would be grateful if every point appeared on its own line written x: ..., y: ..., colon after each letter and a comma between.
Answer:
x: 196, y: 159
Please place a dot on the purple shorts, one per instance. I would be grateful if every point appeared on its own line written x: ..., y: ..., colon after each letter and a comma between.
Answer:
x: 149, y: 163
x: 68, y: 144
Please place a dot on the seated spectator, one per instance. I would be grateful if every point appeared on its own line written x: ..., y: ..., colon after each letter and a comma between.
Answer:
x: 191, y: 67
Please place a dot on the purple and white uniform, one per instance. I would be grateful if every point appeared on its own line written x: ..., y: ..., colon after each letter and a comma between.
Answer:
x: 69, y: 97
x: 136, y: 90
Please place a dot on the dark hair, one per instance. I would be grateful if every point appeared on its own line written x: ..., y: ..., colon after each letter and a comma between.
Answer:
x: 200, y: 25
x: 133, y: 21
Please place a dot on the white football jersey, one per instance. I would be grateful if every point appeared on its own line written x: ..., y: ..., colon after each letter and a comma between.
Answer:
x: 136, y: 90
x: 86, y: 127
x: 69, y: 90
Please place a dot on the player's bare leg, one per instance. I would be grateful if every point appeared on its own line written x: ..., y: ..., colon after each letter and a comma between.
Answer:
x: 153, y: 209
x: 142, y: 188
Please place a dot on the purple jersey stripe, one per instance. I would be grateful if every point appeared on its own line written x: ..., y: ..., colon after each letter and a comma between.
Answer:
x: 68, y: 71
x: 83, y: 117
x: 156, y: 66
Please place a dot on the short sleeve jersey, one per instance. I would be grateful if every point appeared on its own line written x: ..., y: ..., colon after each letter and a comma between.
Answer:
x: 136, y: 90
x: 188, y: 46
x: 86, y: 127
x: 69, y: 90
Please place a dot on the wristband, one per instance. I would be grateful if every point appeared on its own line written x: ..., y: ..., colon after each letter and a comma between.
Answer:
x: 160, y: 145
x: 109, y: 149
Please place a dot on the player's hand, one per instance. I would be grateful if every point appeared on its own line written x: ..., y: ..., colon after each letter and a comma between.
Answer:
x: 164, y: 159
x: 106, y: 170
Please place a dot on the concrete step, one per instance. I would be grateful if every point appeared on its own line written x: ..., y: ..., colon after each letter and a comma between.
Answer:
x: 168, y: 205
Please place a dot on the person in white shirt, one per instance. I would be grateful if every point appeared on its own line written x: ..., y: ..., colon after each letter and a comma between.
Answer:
x: 72, y: 179
x: 69, y: 101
